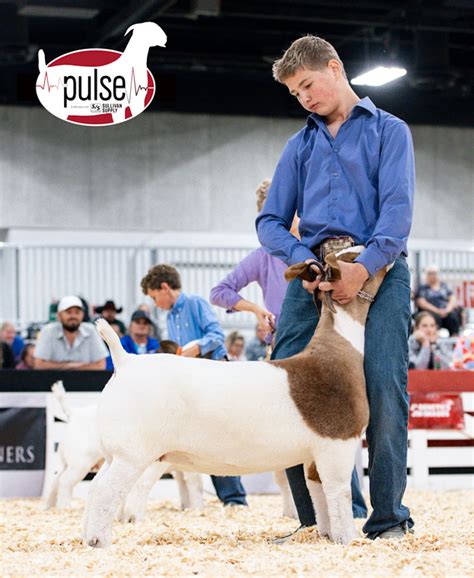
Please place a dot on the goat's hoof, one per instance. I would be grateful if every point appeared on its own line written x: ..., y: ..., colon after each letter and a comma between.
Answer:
x: 95, y: 542
x: 132, y: 519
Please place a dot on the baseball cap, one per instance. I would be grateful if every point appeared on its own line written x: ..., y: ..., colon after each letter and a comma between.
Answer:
x: 141, y: 315
x: 69, y: 301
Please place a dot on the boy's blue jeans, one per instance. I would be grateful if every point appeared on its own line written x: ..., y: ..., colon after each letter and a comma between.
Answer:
x: 229, y: 489
x: 386, y: 372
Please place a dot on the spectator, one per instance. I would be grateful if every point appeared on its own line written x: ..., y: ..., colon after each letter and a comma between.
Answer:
x: 7, y: 359
x: 267, y: 270
x: 138, y: 340
x: 9, y: 335
x: 426, y: 351
x: 235, y: 344
x: 69, y: 343
x: 463, y: 356
x: 168, y: 346
x: 190, y: 318
x: 117, y: 328
x: 256, y: 350
x: 436, y: 298
x: 109, y: 312
x: 27, y: 358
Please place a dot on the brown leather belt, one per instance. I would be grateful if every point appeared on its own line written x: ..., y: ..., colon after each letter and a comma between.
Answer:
x: 331, y: 245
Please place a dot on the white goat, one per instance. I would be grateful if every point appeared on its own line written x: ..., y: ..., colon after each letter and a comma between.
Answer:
x: 241, y: 417
x: 79, y: 451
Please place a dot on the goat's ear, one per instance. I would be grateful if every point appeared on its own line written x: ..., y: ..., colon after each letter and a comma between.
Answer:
x: 334, y: 265
x: 132, y: 27
x: 348, y: 257
x: 300, y: 270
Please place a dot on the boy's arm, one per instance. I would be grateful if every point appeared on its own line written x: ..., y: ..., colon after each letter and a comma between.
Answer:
x: 396, y: 189
x: 213, y: 336
x: 274, y: 222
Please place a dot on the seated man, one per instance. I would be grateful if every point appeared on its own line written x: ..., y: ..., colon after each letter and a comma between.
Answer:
x: 109, y: 312
x: 190, y: 318
x: 69, y: 343
x: 257, y: 349
x: 9, y: 335
x: 138, y: 340
x: 436, y: 298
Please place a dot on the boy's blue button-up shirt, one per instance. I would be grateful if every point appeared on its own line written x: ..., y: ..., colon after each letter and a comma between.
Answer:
x: 360, y: 183
x: 191, y: 318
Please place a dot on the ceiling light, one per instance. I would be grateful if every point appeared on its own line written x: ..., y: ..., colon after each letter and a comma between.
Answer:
x: 37, y: 11
x: 378, y: 76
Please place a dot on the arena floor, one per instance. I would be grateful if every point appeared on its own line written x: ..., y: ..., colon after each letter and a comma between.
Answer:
x: 234, y: 542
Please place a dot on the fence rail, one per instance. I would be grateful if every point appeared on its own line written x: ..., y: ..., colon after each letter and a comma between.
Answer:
x: 31, y: 277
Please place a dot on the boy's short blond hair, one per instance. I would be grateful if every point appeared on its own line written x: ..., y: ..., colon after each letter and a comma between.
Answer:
x: 311, y: 52
x: 262, y: 192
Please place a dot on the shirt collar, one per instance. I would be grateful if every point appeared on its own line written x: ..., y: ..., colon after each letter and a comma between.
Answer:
x: 364, y: 103
x: 179, y: 304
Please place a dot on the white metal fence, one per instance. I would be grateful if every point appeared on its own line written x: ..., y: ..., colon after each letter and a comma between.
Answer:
x: 31, y: 277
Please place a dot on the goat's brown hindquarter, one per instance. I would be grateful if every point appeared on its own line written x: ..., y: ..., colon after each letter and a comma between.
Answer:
x: 327, y: 385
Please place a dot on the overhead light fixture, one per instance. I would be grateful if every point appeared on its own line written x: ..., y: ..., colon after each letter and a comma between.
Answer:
x: 45, y: 11
x: 378, y: 76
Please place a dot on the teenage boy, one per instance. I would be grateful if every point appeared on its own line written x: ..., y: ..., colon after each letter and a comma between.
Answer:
x: 348, y: 172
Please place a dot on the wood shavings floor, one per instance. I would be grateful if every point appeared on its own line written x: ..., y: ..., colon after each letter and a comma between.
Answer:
x: 234, y: 542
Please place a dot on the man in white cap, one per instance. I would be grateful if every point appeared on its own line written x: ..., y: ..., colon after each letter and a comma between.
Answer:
x: 69, y: 343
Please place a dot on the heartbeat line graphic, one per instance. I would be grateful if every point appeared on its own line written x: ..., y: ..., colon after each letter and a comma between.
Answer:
x: 132, y: 92
x: 137, y: 89
x: 50, y: 86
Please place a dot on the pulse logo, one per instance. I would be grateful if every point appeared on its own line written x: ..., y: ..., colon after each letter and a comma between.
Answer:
x: 97, y: 86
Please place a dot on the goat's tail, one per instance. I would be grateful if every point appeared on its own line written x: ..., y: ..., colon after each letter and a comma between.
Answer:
x: 41, y: 60
x: 118, y: 353
x: 60, y: 394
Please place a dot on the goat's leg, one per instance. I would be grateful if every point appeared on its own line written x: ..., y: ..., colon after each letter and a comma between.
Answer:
x: 183, y: 490
x: 135, y: 501
x: 106, y: 495
x: 335, y: 462
x: 318, y: 498
x: 289, y: 508
x: 72, y: 475
x: 53, y: 491
x: 194, y: 489
x: 105, y: 466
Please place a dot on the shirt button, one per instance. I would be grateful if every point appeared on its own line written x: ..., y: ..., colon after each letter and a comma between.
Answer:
x: 335, y: 174
x: 336, y: 150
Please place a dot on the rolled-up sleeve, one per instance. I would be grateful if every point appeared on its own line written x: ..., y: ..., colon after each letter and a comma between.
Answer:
x: 226, y: 293
x: 213, y: 335
x: 274, y: 222
x: 396, y: 186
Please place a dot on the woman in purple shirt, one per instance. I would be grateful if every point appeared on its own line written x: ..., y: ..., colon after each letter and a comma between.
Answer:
x: 259, y: 266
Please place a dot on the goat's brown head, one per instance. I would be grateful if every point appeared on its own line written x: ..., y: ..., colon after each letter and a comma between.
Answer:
x: 332, y: 272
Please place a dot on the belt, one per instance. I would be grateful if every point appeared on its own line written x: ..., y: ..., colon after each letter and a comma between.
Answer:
x: 331, y: 245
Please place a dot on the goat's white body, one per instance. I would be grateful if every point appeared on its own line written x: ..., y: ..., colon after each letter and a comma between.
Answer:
x: 217, y: 418
x: 212, y: 411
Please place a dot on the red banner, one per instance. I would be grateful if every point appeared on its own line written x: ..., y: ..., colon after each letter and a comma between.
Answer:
x: 436, y: 411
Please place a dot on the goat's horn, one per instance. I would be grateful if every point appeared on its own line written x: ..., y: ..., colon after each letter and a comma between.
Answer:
x: 132, y: 27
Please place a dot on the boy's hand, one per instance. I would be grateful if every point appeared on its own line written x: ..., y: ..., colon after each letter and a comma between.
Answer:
x: 193, y: 351
x: 353, y: 277
x: 311, y: 286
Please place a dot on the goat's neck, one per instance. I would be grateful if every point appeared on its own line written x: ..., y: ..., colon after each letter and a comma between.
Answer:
x: 137, y: 51
x: 348, y: 321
